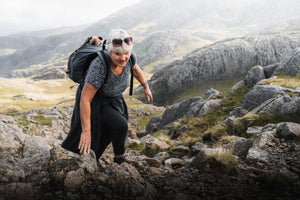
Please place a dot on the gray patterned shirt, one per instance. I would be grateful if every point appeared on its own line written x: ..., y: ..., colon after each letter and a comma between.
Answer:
x: 114, y: 86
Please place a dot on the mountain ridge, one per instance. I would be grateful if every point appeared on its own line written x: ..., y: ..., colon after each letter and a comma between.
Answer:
x: 161, y: 15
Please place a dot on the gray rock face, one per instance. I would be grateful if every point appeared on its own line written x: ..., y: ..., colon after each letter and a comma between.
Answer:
x: 292, y: 67
x: 261, y: 93
x: 220, y: 61
x: 281, y: 106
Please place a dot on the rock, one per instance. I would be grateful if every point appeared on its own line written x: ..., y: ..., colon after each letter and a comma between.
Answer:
x: 17, y: 191
x: 180, y: 151
x: 288, y: 130
x: 212, y: 94
x: 240, y: 147
x: 171, y: 114
x: 256, y: 154
x: 161, y: 156
x: 152, y: 162
x: 292, y: 67
x: 52, y: 74
x: 176, y: 133
x: 269, y: 70
x: 254, y: 75
x: 148, y: 139
x: 209, y: 106
x: 125, y: 179
x: 74, y: 179
x: 260, y: 93
x: 240, y: 84
x: 238, y: 112
x: 220, y: 61
x: 263, y: 138
x: 253, y: 130
x: 185, y: 108
x: 197, y: 147
x: 171, y: 162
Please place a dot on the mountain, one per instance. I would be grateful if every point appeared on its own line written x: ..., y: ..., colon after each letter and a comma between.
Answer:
x: 202, y: 21
x: 221, y: 61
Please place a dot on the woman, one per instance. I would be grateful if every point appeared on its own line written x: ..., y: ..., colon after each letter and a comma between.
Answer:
x: 100, y: 115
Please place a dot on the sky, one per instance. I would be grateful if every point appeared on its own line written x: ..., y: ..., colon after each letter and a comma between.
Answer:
x: 31, y: 15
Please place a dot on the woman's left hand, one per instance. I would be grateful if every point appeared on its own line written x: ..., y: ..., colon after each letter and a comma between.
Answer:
x: 148, y: 93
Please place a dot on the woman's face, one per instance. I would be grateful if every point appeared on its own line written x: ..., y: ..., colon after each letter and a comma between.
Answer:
x: 119, y: 59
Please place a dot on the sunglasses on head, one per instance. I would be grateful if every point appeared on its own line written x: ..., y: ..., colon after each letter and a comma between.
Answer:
x: 118, y: 42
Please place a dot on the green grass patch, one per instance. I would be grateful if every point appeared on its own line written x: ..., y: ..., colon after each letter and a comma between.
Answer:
x: 284, y: 80
x: 222, y: 86
x: 44, y: 120
x: 135, y: 146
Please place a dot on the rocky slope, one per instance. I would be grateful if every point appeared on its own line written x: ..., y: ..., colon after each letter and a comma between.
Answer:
x: 254, y: 157
x: 221, y: 61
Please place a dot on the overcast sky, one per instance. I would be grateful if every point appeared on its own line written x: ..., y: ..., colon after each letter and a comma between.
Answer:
x: 28, y: 15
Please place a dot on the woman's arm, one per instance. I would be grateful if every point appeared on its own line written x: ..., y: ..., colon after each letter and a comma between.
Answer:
x: 138, y: 74
x: 87, y: 96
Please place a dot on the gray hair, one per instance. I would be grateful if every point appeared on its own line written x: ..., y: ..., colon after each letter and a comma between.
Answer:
x: 118, y: 34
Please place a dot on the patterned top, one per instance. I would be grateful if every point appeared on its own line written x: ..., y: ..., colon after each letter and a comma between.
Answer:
x: 114, y: 86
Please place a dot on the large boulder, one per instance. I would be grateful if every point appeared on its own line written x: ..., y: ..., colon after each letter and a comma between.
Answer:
x: 260, y: 93
x: 254, y: 75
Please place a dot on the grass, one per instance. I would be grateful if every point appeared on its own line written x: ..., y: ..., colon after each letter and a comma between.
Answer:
x: 163, y: 135
x: 144, y: 120
x: 222, y: 86
x: 225, y: 158
x: 39, y: 94
x: 135, y: 146
x: 284, y: 80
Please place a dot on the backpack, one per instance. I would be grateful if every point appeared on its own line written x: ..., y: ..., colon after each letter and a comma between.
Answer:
x: 79, y: 61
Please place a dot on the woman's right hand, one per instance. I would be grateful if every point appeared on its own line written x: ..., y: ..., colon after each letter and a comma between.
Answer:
x: 87, y: 95
x: 85, y: 143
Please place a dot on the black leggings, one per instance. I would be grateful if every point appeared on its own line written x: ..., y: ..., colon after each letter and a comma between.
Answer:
x: 115, y: 128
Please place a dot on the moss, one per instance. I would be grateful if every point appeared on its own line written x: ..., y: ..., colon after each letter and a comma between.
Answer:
x: 135, y: 146
x: 44, y: 120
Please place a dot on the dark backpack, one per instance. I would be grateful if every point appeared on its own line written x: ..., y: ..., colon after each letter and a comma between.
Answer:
x: 79, y: 61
